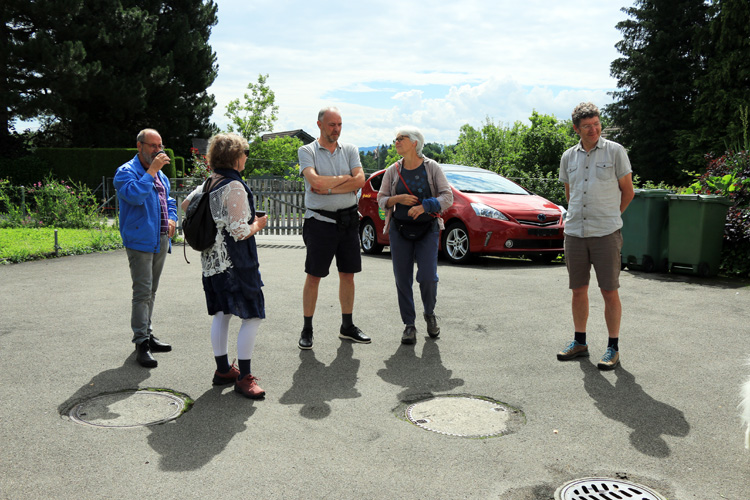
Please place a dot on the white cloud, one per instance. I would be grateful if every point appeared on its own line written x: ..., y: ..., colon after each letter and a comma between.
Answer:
x: 376, y: 60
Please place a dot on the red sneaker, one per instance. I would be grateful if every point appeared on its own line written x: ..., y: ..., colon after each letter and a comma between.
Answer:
x: 226, y: 378
x: 249, y: 388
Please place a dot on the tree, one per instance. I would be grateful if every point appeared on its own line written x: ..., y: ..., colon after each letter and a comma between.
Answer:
x: 544, y: 143
x: 492, y: 147
x: 655, y: 78
x: 256, y: 114
x: 724, y: 88
x: 134, y: 65
x: 273, y: 157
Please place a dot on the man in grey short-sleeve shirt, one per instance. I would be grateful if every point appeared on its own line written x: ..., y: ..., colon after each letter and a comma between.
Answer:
x: 333, y: 175
x: 598, y: 187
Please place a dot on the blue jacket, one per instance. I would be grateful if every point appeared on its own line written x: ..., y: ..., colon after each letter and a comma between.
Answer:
x: 140, y: 213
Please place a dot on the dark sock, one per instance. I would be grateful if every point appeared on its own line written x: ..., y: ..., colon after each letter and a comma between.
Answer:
x: 308, y: 323
x: 222, y: 363
x: 244, y: 365
x: 613, y: 343
x: 580, y: 337
x: 346, y: 321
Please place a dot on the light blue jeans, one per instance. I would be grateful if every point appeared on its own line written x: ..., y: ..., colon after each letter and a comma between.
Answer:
x: 403, y: 254
x: 145, y: 269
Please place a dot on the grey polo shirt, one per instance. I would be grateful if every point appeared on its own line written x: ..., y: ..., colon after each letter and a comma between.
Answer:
x: 594, y: 205
x: 342, y: 161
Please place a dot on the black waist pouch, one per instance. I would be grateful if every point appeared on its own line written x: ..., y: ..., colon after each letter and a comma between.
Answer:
x: 412, y: 230
x: 346, y: 218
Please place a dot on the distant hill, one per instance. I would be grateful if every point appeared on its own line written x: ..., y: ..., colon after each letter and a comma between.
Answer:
x: 368, y: 149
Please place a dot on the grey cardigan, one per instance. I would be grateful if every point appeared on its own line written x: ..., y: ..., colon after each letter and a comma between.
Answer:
x: 435, y: 178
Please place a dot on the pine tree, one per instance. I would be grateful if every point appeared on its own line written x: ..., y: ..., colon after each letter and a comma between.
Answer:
x: 655, y: 78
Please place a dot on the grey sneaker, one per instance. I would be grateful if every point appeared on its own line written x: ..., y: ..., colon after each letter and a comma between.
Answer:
x: 573, y: 350
x: 610, y: 360
x: 410, y: 335
x: 433, y: 330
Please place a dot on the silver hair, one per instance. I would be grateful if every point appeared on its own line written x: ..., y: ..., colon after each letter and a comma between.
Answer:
x: 584, y: 110
x: 415, y: 135
x: 143, y: 133
x: 325, y: 110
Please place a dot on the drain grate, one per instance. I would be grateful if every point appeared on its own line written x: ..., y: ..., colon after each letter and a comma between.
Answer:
x: 599, y: 488
x: 465, y: 416
x: 128, y: 409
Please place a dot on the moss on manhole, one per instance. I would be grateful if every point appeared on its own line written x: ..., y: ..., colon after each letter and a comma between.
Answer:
x: 465, y: 416
x: 131, y: 408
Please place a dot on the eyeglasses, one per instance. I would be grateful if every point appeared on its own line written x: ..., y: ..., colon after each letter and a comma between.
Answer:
x: 247, y: 152
x: 156, y: 146
x: 401, y: 138
x: 590, y: 126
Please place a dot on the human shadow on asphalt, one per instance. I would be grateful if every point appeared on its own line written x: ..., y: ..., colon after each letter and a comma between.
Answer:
x: 314, y: 384
x: 128, y: 376
x: 419, y: 376
x: 628, y: 403
x: 193, y: 440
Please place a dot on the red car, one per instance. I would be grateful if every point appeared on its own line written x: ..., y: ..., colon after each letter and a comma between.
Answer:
x: 490, y: 215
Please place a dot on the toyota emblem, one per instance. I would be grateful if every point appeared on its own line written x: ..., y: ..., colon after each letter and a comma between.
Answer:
x: 541, y: 217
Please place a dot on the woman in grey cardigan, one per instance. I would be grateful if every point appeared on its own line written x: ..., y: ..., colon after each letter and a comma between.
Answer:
x: 414, y: 193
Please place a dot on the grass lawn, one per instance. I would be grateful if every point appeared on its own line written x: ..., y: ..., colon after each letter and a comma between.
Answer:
x: 22, y: 244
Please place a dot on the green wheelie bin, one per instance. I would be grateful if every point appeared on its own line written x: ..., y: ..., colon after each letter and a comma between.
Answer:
x: 644, y: 231
x: 696, y: 232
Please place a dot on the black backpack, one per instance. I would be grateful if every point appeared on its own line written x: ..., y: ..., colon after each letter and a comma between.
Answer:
x: 198, y: 226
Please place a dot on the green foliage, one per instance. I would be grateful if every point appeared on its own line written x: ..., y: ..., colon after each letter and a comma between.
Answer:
x: 24, y: 244
x: 544, y: 184
x: 25, y: 170
x: 94, y: 73
x: 199, y: 167
x: 256, y: 114
x: 50, y: 203
x: 655, y: 78
x: 273, y: 157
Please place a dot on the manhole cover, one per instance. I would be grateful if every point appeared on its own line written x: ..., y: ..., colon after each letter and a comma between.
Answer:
x: 599, y: 488
x: 128, y: 409
x: 465, y: 416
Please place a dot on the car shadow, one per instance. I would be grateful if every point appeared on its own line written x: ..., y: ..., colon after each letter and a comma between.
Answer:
x: 314, y: 384
x: 625, y: 401
x: 193, y: 440
x: 713, y: 282
x: 128, y: 376
x: 419, y: 376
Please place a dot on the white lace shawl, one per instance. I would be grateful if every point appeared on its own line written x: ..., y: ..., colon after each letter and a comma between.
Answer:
x: 231, y: 210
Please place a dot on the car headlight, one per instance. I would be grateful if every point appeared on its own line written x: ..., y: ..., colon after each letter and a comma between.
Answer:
x: 483, y: 210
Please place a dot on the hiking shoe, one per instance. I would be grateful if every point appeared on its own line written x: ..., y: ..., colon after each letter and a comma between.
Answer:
x: 354, y: 334
x: 249, y: 388
x: 610, y: 360
x: 226, y: 378
x: 433, y: 330
x: 573, y: 350
x: 410, y: 335
x: 306, y: 339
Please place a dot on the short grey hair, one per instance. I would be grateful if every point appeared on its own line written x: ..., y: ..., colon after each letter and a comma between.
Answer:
x: 583, y: 111
x: 143, y: 133
x: 325, y: 110
x: 415, y: 135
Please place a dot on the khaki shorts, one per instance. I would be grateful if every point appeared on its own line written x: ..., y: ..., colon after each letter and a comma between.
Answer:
x: 602, y: 252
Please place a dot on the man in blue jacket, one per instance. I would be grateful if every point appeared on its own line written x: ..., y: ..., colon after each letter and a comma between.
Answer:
x: 148, y: 218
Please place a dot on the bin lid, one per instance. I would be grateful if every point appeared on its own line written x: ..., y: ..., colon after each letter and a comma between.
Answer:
x: 652, y: 193
x: 702, y: 198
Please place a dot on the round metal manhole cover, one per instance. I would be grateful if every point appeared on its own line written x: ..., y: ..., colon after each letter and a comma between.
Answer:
x: 129, y: 409
x: 599, y: 488
x: 465, y: 416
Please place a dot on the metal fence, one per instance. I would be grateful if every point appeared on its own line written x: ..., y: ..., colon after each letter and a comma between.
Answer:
x: 282, y: 199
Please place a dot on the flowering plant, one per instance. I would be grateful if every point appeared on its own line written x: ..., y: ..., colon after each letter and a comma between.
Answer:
x: 200, y: 168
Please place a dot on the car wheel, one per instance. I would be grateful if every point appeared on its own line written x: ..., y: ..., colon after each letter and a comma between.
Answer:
x: 368, y: 239
x: 456, y: 243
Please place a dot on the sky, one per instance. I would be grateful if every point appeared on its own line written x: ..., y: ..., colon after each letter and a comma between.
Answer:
x: 436, y: 64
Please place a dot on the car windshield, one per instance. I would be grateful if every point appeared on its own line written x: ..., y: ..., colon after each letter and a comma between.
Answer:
x: 470, y: 182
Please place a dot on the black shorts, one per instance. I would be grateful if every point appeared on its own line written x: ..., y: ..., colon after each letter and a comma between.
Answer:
x: 324, y: 240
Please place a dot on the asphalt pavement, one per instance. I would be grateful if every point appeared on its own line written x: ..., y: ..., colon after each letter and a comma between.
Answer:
x: 333, y: 422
